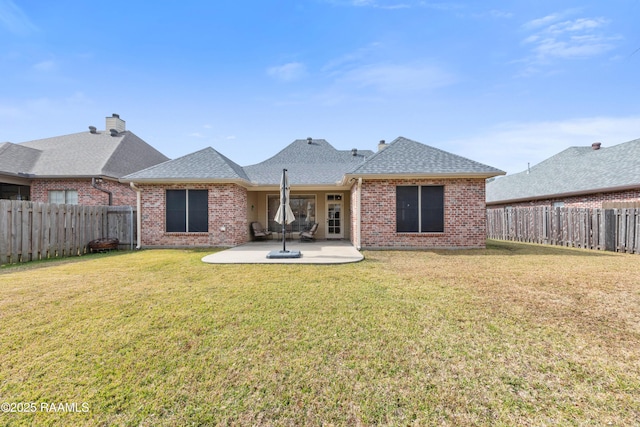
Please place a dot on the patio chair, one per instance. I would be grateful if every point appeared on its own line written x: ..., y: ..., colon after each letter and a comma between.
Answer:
x: 259, y: 232
x: 309, y: 235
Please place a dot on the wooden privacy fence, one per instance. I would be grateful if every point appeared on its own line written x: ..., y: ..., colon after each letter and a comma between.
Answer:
x: 31, y: 231
x: 601, y: 229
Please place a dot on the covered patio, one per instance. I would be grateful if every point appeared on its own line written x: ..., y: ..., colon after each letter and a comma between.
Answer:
x: 318, y: 252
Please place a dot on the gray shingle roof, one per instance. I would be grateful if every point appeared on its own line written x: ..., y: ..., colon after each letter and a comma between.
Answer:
x: 203, y: 165
x: 87, y: 154
x: 16, y: 159
x: 405, y: 156
x: 307, y: 164
x: 316, y: 163
x: 576, y: 170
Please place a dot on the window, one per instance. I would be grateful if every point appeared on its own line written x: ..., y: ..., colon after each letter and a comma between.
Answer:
x: 303, y: 207
x: 63, y: 197
x: 420, y: 209
x: 187, y: 211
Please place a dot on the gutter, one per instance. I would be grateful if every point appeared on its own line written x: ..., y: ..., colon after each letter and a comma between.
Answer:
x: 384, y: 176
x: 94, y: 185
x: 240, y: 182
x: 138, y: 214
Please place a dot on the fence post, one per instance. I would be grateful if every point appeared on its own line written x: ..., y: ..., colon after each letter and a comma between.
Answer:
x: 609, y: 230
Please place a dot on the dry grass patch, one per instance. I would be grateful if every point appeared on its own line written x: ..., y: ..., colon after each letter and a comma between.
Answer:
x: 511, y: 335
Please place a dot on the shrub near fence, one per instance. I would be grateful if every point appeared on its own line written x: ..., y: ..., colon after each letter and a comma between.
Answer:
x: 600, y: 229
x: 31, y: 231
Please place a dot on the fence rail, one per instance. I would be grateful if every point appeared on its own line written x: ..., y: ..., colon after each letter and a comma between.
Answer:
x: 31, y: 231
x: 601, y: 229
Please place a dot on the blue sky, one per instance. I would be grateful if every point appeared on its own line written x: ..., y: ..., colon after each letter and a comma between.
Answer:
x: 505, y: 83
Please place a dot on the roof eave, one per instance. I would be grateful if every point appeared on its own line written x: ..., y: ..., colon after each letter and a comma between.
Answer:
x: 97, y: 175
x: 454, y: 175
x: 322, y: 186
x: 566, y: 194
x: 241, y: 182
x: 15, y: 178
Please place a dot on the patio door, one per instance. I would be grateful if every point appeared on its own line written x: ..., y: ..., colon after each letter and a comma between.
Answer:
x: 335, y: 229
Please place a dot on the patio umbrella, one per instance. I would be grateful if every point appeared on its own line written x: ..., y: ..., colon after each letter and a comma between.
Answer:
x: 284, y: 215
x: 308, y: 212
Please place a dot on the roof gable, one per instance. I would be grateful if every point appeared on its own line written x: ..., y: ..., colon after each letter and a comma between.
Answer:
x: 574, y: 170
x: 405, y: 156
x: 204, y: 165
x: 309, y: 162
x: 16, y: 159
x: 132, y: 155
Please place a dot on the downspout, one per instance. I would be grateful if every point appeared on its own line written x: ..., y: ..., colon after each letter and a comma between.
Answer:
x: 359, y: 215
x: 131, y: 226
x: 94, y: 185
x: 138, y: 213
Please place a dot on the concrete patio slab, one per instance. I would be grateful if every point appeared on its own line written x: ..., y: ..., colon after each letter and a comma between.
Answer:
x: 318, y: 252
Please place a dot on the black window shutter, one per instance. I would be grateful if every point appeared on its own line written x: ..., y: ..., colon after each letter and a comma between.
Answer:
x: 176, y: 211
x: 432, y: 207
x: 198, y: 211
x: 406, y: 209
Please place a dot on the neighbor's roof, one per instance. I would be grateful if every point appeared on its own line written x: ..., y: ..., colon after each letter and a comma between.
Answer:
x: 204, y: 165
x: 16, y: 159
x: 407, y: 157
x: 88, y: 154
x: 574, y: 171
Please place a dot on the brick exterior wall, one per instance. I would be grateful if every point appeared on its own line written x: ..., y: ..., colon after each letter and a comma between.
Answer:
x: 464, y: 216
x: 227, y: 209
x: 123, y: 195
x: 591, y: 201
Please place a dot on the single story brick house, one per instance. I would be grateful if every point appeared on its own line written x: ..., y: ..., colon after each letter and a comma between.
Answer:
x: 81, y: 168
x: 580, y: 177
x: 405, y: 195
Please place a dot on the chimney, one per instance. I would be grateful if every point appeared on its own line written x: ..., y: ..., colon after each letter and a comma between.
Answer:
x: 115, y: 122
x: 93, y: 129
x: 596, y: 145
x: 382, y: 145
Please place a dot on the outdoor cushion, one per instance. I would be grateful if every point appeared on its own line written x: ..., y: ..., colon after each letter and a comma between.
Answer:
x: 258, y: 231
x: 309, y: 235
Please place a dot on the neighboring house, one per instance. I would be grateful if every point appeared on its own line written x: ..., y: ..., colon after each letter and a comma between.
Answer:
x: 406, y: 195
x: 81, y: 168
x: 584, y: 177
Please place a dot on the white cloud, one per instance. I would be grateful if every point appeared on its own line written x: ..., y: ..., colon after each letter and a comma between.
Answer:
x: 511, y: 146
x: 500, y: 14
x: 541, y: 22
x: 288, y: 72
x: 554, y: 37
x: 44, y: 66
x: 14, y: 19
x: 397, y: 77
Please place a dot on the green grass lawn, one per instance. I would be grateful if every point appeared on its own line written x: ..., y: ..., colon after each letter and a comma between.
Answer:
x: 512, y: 335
